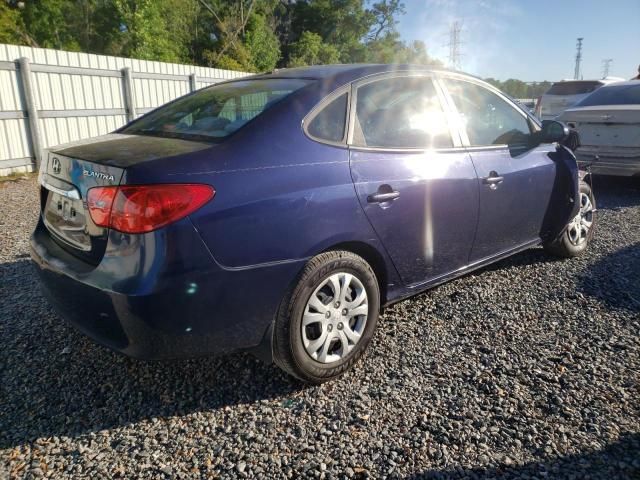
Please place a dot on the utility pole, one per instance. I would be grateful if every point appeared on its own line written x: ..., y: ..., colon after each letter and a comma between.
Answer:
x: 454, y: 45
x: 576, y: 74
x: 606, y: 66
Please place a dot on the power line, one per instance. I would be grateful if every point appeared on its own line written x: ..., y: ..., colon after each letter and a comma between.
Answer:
x: 606, y: 66
x: 576, y: 74
x: 455, y: 54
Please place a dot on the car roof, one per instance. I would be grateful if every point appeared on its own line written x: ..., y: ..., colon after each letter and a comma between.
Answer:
x: 622, y: 84
x: 324, y: 71
x: 344, y: 73
x: 604, y: 81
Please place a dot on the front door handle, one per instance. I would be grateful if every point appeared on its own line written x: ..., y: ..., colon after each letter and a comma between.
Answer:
x: 493, y: 179
x: 382, y: 197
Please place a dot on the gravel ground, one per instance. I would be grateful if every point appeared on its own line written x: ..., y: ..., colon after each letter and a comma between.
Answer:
x: 527, y: 369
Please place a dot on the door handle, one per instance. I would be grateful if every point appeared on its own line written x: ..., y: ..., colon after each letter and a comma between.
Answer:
x: 493, y: 179
x: 381, y: 197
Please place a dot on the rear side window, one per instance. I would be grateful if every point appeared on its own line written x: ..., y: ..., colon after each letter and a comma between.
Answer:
x: 614, y: 95
x: 573, y: 88
x: 488, y: 119
x: 215, y: 112
x: 329, y: 123
x: 403, y: 112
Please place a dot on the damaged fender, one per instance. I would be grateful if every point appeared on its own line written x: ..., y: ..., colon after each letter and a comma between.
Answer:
x: 565, y: 200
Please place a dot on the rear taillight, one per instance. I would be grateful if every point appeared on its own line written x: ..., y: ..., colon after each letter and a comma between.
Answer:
x: 538, y: 110
x: 143, y: 208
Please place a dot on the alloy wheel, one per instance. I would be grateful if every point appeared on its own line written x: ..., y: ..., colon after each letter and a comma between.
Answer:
x: 579, y: 228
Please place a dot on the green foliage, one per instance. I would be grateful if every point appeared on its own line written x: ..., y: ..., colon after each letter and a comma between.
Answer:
x: 224, y: 61
x: 250, y: 35
x: 262, y: 44
x: 11, y: 26
x: 46, y: 23
x: 156, y: 29
x: 340, y: 23
x: 311, y: 50
x: 519, y: 89
x: 390, y: 49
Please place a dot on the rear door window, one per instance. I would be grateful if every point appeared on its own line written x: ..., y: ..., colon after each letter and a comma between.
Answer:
x: 215, y: 112
x: 402, y: 112
x: 573, y: 88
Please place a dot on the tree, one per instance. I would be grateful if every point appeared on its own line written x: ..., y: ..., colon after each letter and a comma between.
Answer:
x: 96, y: 25
x: 156, y: 29
x: 249, y: 35
x: 11, y: 26
x: 311, y: 50
x: 342, y: 24
x: 46, y: 22
x: 519, y: 89
x: 240, y: 34
x: 515, y: 88
x: 385, y: 13
x: 390, y: 49
x: 262, y: 43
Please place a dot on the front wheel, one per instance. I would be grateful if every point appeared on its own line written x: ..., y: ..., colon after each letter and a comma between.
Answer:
x: 326, y: 322
x: 579, y: 230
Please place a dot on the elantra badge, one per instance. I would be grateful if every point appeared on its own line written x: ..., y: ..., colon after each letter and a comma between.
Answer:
x: 98, y: 175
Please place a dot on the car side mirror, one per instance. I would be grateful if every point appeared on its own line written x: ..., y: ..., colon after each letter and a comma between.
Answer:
x: 553, y: 131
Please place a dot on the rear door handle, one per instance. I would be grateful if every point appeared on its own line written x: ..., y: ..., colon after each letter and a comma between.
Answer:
x: 383, y: 197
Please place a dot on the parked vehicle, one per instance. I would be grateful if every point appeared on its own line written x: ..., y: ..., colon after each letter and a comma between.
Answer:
x: 527, y: 103
x: 279, y: 213
x: 566, y: 93
x: 608, y: 123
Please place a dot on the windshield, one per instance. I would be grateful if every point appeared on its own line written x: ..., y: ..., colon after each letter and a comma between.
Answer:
x: 614, y: 95
x: 217, y: 111
x: 573, y: 88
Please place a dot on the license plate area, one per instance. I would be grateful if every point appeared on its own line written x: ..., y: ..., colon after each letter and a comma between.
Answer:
x: 64, y: 216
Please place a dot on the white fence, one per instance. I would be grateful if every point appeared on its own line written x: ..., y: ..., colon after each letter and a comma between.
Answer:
x: 48, y: 97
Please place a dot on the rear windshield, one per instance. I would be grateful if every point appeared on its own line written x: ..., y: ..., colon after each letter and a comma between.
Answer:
x: 573, y: 88
x: 614, y: 95
x: 217, y: 111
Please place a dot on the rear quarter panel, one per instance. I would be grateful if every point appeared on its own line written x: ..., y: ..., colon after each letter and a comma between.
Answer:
x: 283, y: 212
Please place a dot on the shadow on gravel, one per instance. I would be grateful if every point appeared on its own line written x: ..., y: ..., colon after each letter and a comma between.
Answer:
x: 618, y: 460
x: 56, y: 382
x: 615, y: 279
x: 616, y: 192
x: 532, y: 256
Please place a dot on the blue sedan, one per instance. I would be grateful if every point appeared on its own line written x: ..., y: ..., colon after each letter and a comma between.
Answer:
x: 280, y: 213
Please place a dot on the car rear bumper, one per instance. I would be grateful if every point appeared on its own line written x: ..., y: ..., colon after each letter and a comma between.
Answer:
x: 149, y: 308
x: 620, y: 161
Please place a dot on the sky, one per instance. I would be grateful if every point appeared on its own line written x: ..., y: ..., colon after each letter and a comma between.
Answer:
x: 531, y: 40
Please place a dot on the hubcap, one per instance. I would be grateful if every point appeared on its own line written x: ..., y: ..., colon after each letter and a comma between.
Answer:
x: 334, y: 318
x: 578, y: 229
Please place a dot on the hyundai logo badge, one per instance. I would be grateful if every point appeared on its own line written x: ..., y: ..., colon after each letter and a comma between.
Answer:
x: 55, y: 165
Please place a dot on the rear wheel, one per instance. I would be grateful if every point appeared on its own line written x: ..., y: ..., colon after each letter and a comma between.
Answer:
x: 579, y: 230
x: 327, y: 321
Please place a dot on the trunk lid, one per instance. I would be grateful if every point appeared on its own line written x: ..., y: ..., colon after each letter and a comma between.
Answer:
x: 610, y: 125
x: 70, y: 170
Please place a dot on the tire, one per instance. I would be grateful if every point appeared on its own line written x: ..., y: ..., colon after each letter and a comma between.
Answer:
x: 294, y: 345
x: 574, y: 239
